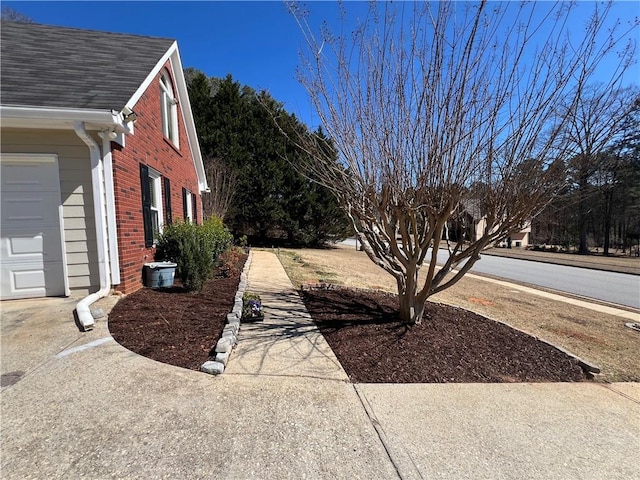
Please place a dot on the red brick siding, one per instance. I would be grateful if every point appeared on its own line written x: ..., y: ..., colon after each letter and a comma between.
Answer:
x: 149, y: 146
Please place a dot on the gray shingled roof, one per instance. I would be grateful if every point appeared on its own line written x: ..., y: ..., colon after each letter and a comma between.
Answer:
x: 47, y: 66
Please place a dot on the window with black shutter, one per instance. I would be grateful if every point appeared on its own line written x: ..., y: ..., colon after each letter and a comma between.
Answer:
x: 167, y: 201
x: 146, y: 205
x: 185, y: 211
x: 194, y: 203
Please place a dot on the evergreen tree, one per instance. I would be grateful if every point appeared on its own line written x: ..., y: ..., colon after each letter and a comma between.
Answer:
x: 272, y: 202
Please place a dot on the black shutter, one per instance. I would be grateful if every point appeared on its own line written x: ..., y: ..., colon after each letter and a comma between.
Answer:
x: 184, y: 204
x: 195, y: 207
x: 168, y: 218
x: 146, y: 206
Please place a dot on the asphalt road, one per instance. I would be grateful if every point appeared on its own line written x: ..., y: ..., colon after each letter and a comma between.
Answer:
x: 611, y: 287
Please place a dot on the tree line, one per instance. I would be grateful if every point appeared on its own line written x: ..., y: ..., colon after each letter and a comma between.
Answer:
x: 252, y: 167
x: 598, y: 210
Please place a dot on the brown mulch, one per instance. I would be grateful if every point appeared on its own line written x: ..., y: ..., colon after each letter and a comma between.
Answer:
x: 450, y: 345
x: 177, y: 327
x: 361, y: 326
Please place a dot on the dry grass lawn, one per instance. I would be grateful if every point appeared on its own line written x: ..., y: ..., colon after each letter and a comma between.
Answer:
x: 596, y: 337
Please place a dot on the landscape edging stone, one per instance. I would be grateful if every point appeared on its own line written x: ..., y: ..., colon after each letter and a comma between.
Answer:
x: 229, y: 337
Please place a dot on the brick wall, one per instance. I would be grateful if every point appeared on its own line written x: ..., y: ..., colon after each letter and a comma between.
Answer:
x: 149, y: 146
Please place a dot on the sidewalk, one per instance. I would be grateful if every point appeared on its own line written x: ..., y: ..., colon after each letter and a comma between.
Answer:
x: 629, y: 265
x: 284, y: 409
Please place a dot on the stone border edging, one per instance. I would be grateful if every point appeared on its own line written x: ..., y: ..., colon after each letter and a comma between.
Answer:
x: 587, y: 367
x: 229, y: 337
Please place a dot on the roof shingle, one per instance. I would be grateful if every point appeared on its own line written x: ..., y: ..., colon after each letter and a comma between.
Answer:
x: 47, y: 66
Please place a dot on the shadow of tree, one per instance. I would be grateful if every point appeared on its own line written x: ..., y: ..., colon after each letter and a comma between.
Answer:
x: 340, y: 308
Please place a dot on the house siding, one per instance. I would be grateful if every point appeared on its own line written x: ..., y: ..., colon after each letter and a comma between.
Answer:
x: 148, y: 146
x: 77, y: 202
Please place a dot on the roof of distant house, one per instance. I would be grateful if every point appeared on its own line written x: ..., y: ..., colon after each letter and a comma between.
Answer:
x: 59, y: 67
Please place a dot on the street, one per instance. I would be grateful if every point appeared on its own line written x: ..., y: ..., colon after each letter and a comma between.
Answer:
x: 611, y: 287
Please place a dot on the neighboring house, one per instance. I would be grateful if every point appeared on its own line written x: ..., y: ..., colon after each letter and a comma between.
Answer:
x: 473, y: 223
x: 98, y: 151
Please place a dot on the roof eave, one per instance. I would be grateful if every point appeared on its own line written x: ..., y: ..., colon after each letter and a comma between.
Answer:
x: 19, y: 116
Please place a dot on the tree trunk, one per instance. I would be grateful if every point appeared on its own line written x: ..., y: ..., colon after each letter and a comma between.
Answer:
x: 607, y: 223
x: 583, y: 249
x: 411, y: 309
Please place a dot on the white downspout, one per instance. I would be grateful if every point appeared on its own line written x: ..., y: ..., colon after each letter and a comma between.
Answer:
x: 82, y: 308
x: 112, y: 226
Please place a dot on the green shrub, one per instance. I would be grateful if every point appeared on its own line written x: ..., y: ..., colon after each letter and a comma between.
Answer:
x: 216, y: 237
x: 194, y: 249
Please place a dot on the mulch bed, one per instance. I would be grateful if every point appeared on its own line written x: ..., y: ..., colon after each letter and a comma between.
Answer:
x: 173, y: 326
x: 361, y: 326
x: 450, y: 345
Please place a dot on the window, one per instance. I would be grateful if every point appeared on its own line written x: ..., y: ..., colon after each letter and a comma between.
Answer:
x: 187, y: 207
x: 168, y: 219
x: 151, y: 204
x: 194, y: 203
x: 169, y: 106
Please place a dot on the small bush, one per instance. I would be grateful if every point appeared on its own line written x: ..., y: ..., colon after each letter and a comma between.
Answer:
x: 194, y: 248
x: 228, y: 261
x: 216, y: 236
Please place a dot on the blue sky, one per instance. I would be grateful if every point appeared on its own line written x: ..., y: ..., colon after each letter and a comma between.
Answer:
x: 257, y: 42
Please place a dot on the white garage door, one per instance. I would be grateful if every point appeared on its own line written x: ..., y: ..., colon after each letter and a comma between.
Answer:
x: 31, y: 254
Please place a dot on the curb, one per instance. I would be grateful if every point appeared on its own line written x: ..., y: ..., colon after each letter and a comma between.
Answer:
x: 601, y: 268
x: 229, y: 337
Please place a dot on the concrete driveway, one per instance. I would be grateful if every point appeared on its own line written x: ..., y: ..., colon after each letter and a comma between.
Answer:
x: 85, y: 407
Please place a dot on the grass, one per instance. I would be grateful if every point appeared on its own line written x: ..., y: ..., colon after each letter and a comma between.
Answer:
x: 599, y: 338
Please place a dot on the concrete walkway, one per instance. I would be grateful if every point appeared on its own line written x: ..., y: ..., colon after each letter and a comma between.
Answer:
x: 85, y: 407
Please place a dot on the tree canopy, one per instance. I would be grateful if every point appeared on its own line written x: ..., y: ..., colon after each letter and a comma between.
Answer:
x: 435, y: 107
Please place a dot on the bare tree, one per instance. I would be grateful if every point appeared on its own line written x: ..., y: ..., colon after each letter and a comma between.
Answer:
x: 15, y: 16
x: 435, y: 106
x: 222, y: 181
x: 598, y: 118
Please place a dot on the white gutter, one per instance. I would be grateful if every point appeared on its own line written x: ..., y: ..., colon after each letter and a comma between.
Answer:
x: 70, y: 114
x: 112, y: 225
x: 82, y: 308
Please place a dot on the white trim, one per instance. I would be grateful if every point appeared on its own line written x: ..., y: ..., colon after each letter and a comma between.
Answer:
x: 25, y: 158
x: 189, y: 123
x: 156, y: 205
x: 189, y: 206
x: 169, y: 109
x: 82, y: 307
x: 112, y: 224
x: 86, y: 115
x: 152, y: 75
x: 173, y: 56
x: 46, y: 158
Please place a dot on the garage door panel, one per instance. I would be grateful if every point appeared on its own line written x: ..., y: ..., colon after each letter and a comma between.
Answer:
x: 28, y: 279
x: 33, y: 177
x: 20, y: 247
x: 31, y: 253
x: 29, y: 210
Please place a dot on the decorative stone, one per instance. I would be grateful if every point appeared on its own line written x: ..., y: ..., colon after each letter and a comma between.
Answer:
x: 231, y: 327
x: 230, y: 336
x: 224, y: 345
x: 231, y: 317
x: 213, y: 368
x: 97, y: 313
x: 223, y: 357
